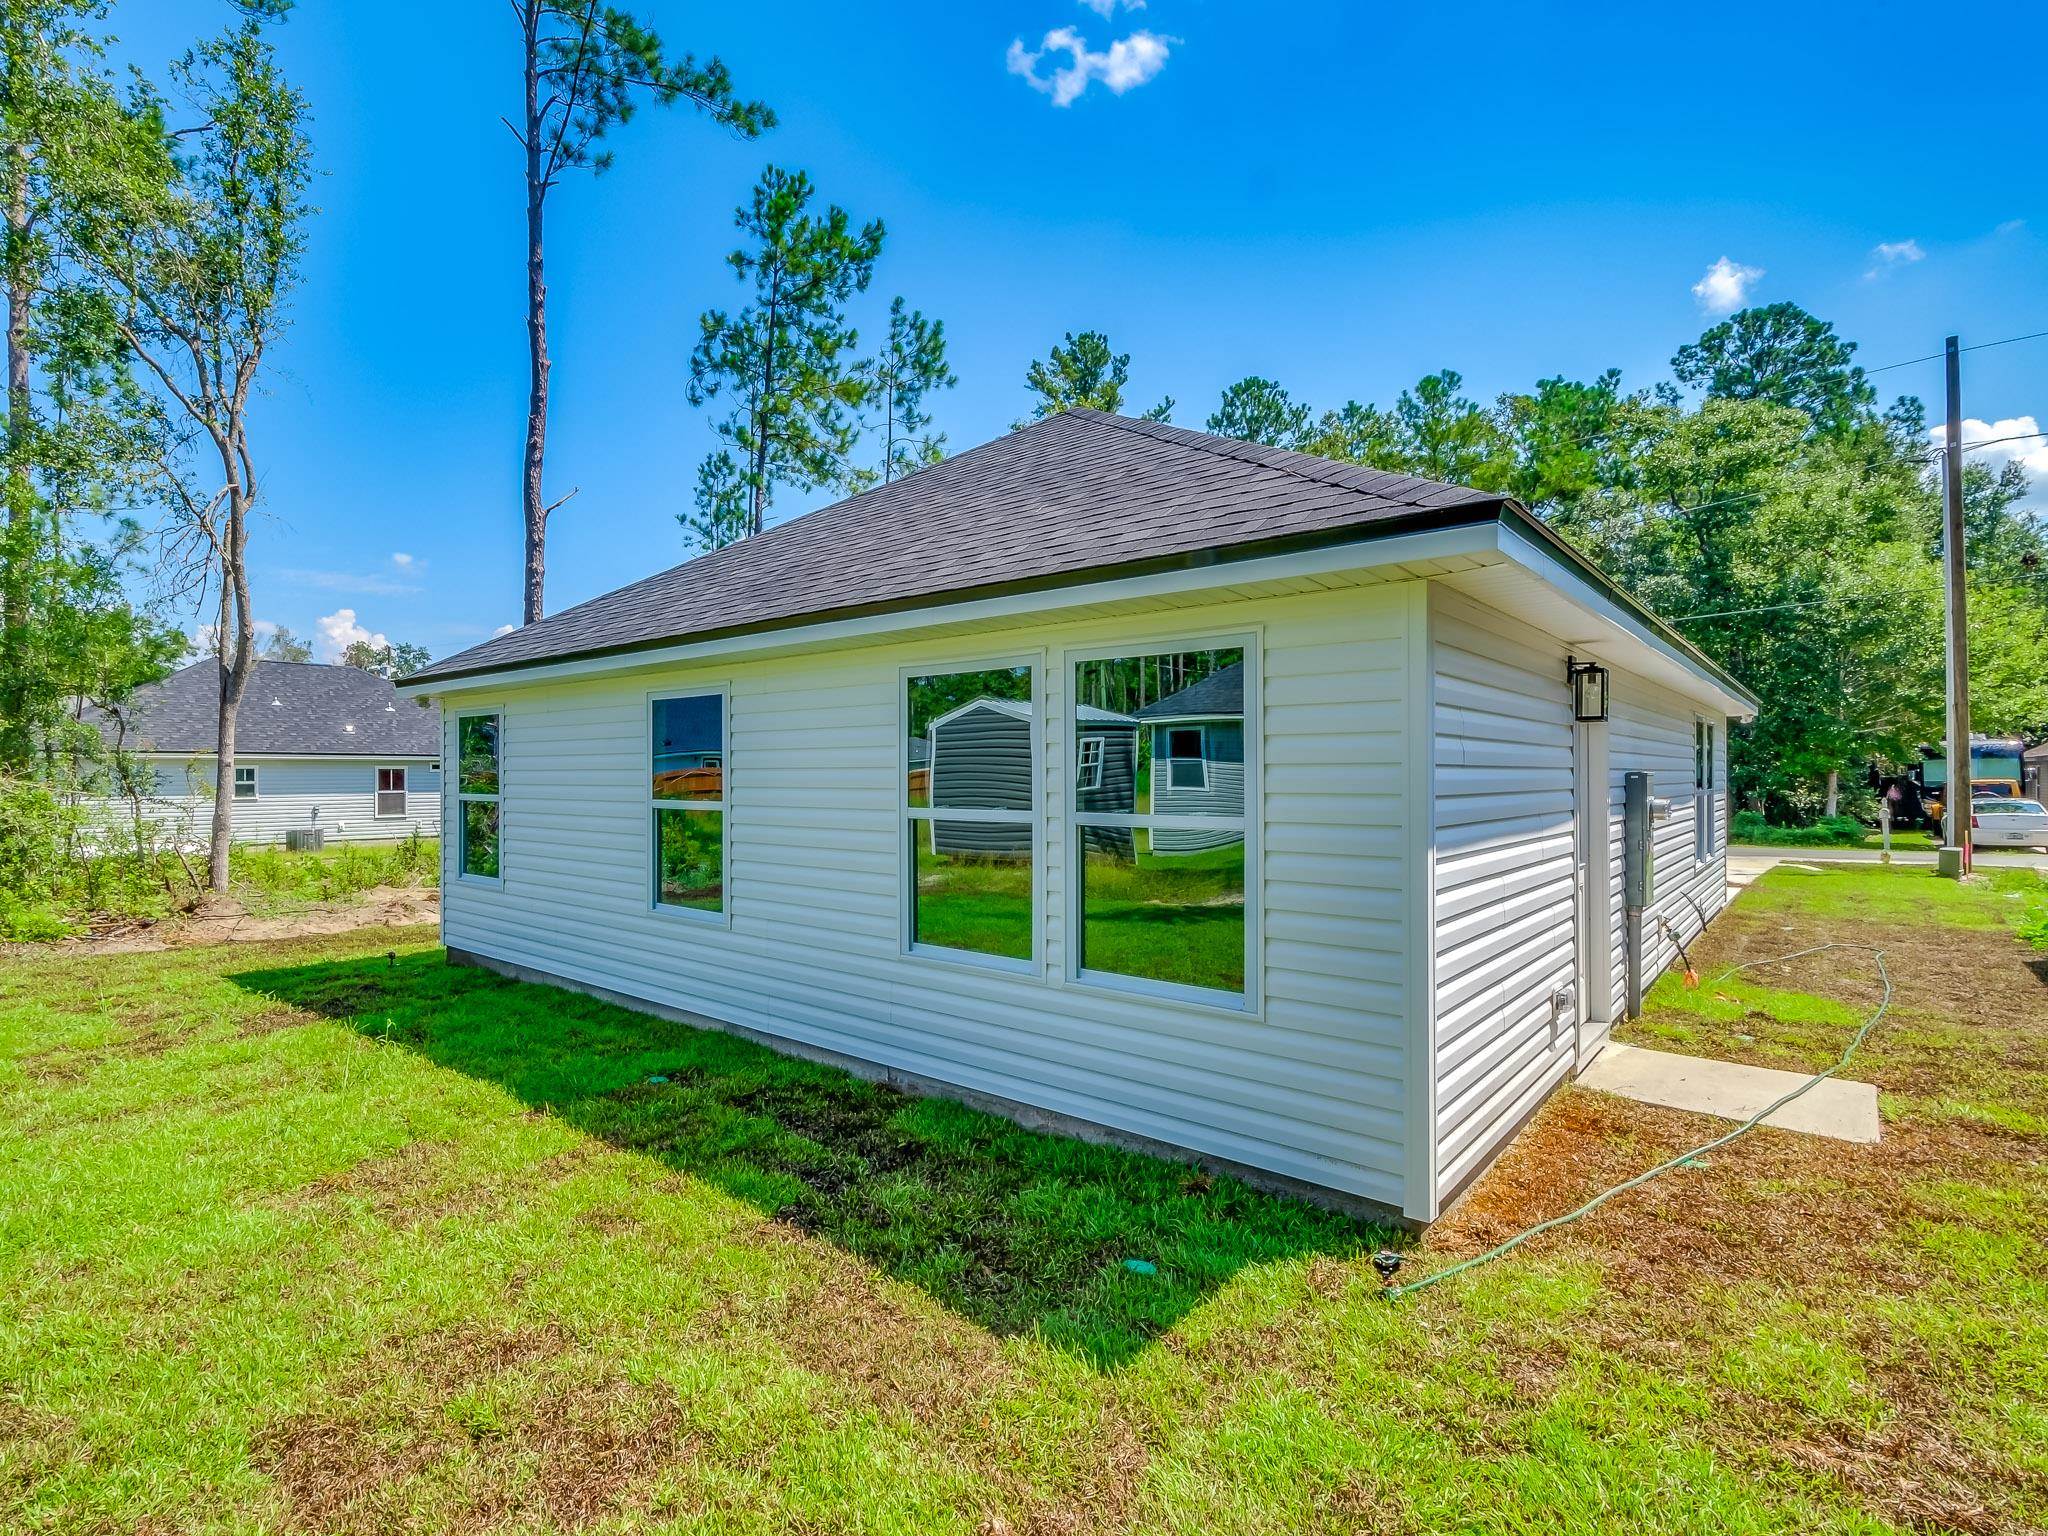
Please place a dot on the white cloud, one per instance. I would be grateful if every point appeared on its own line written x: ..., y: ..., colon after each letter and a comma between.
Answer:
x: 503, y: 629
x: 1893, y: 253
x: 1107, y: 8
x: 339, y: 630
x: 1125, y: 64
x: 2031, y: 451
x: 1725, y: 286
x: 406, y: 562
x: 349, y: 581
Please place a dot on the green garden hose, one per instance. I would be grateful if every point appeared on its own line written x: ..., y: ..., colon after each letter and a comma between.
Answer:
x: 1396, y: 1292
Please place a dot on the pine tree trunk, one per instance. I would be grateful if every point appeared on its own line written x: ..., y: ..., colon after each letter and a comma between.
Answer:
x: 1834, y: 801
x: 535, y: 454
x: 16, y: 744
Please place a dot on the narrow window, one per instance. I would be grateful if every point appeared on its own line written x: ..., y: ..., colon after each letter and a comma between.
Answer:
x: 245, y: 783
x: 686, y: 789
x: 1702, y: 791
x: 390, y: 791
x: 970, y: 811
x: 478, y: 794
x: 1160, y: 852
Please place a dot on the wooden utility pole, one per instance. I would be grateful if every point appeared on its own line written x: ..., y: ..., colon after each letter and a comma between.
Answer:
x: 1959, y: 778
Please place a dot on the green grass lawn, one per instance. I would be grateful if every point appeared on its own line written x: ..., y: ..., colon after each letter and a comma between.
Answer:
x: 330, y: 1236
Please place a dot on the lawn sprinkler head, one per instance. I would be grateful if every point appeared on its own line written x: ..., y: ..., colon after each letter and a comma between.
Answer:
x: 1388, y: 1263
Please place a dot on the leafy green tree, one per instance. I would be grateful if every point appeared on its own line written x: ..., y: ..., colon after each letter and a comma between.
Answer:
x: 585, y: 66
x: 1444, y: 436
x: 787, y: 359
x: 911, y: 365
x: 399, y: 660
x: 1570, y: 439
x: 1359, y: 434
x: 1257, y: 410
x: 193, y: 239
x: 1083, y: 373
x: 1785, y: 356
x: 282, y: 645
x: 724, y: 503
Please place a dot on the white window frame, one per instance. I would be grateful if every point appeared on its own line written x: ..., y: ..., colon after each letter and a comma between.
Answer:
x: 1201, y: 756
x: 1702, y: 791
x: 255, y: 782
x: 404, y: 790
x: 1251, y: 823
x: 650, y: 883
x: 908, y: 815
x: 462, y: 797
x: 1088, y: 765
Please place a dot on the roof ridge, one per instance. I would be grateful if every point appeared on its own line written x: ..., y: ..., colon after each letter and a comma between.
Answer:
x: 1230, y: 448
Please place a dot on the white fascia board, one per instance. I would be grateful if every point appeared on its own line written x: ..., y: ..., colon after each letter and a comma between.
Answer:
x: 1624, y: 625
x: 1475, y: 539
x: 152, y: 754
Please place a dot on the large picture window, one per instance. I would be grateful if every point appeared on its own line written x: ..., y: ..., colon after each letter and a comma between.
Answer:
x: 970, y: 811
x: 686, y: 791
x: 1159, y: 842
x: 479, y: 788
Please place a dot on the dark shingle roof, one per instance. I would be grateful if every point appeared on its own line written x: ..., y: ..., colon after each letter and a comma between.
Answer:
x: 291, y: 707
x: 1076, y: 496
x: 1219, y: 695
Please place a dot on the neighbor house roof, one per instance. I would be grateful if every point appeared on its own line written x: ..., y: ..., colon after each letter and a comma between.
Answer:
x: 1017, y: 709
x: 1076, y: 496
x: 1218, y: 696
x: 291, y: 708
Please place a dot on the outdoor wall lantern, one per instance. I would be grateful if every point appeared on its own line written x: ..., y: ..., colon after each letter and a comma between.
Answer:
x: 1589, y: 689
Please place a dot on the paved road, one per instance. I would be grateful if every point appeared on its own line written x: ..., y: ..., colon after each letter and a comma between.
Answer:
x: 1745, y: 864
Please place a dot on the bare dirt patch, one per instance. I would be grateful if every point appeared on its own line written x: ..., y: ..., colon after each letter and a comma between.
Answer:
x: 224, y: 921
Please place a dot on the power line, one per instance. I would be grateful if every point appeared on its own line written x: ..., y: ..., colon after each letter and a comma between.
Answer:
x: 1979, y: 347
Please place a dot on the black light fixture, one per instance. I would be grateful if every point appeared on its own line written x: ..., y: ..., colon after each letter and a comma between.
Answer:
x: 1589, y: 689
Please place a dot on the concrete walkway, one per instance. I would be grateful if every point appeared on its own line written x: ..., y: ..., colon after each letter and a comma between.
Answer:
x: 1843, y: 1110
x: 1987, y: 858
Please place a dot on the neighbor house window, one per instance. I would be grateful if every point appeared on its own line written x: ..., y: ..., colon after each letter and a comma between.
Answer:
x: 479, y: 785
x: 390, y: 791
x: 1186, y: 767
x: 970, y: 812
x: 1702, y: 791
x: 1088, y: 775
x: 1159, y: 865
x: 245, y: 783
x: 686, y: 790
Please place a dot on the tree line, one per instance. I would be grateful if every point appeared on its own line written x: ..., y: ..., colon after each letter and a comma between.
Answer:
x: 1759, y: 497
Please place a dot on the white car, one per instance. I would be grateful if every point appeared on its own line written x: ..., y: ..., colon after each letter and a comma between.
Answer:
x: 1998, y: 822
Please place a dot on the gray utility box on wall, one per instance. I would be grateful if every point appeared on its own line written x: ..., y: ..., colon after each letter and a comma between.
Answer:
x: 1640, y: 813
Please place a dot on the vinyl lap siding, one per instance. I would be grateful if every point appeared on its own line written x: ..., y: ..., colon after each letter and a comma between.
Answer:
x: 1310, y: 1087
x: 1505, y: 905
x: 981, y: 759
x: 337, y: 796
x: 1651, y: 730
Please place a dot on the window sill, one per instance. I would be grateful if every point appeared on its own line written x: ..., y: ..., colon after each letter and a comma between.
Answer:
x: 972, y: 960
x: 722, y: 918
x: 1230, y: 1005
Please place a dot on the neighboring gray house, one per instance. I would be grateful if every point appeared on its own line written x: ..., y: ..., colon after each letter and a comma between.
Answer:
x: 979, y: 756
x: 326, y: 747
x: 1423, y: 937
x: 1197, y: 757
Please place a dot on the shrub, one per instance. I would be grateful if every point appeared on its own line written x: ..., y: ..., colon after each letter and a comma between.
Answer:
x: 1828, y: 832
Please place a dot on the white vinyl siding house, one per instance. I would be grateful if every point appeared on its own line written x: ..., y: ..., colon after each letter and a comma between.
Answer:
x: 321, y: 748
x: 1398, y: 876
x: 339, y: 796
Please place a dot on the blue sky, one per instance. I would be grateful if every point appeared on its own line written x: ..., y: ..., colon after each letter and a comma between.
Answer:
x: 1341, y: 196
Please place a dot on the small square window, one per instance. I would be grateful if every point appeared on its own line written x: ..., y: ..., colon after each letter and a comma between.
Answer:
x: 245, y: 783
